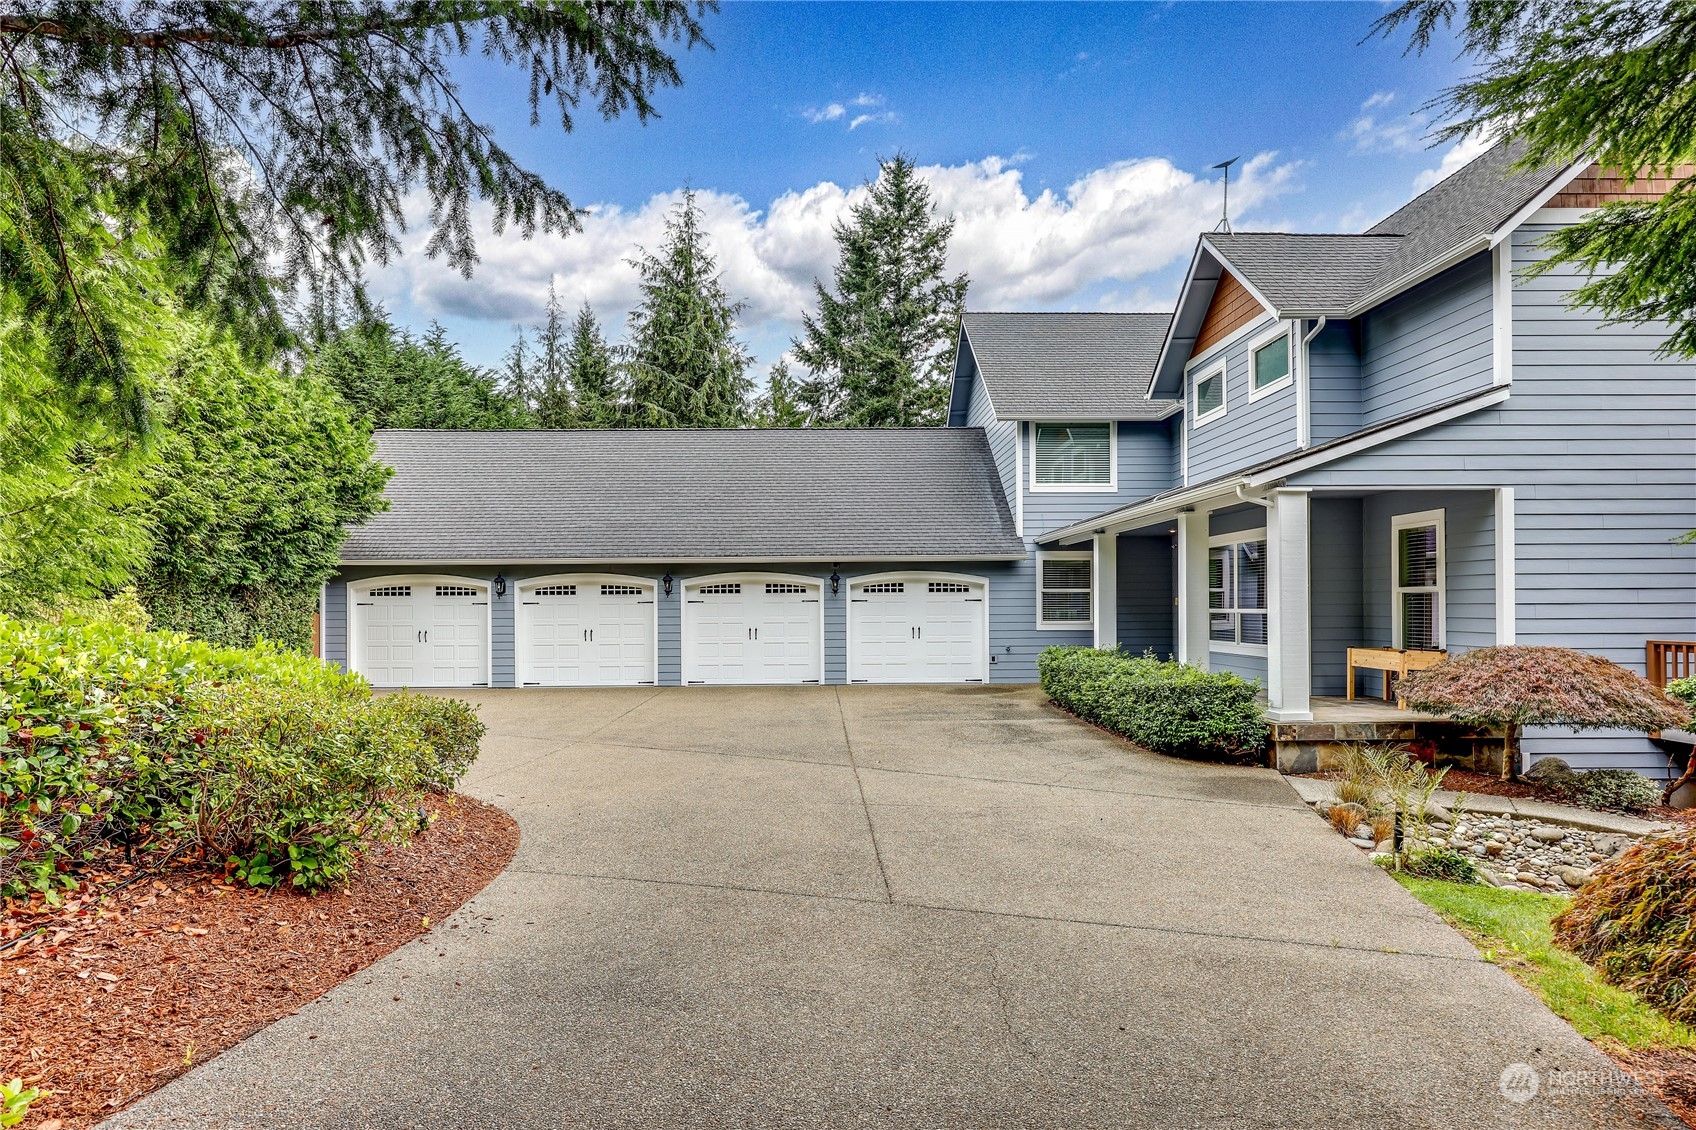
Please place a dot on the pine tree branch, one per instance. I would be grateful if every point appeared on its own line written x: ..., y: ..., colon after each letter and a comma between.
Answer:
x: 20, y: 27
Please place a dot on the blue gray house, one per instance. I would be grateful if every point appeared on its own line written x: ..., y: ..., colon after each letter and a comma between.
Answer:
x: 1387, y: 439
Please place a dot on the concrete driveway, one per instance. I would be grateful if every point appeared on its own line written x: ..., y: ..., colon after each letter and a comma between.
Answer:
x: 950, y: 907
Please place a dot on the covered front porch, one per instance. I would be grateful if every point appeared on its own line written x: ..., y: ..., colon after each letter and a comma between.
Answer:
x: 1279, y: 585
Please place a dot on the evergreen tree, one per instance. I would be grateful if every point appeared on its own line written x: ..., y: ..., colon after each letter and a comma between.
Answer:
x: 592, y: 374
x: 685, y: 367
x: 781, y: 406
x: 880, y: 347
x: 554, y: 408
x: 1608, y: 80
x: 518, y: 379
x: 395, y: 380
x: 328, y: 115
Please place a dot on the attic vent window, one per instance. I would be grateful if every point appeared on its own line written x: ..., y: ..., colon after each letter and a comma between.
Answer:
x: 557, y: 590
x: 1073, y: 456
x: 621, y: 590
x: 886, y: 586
x: 1208, y: 396
x: 455, y: 590
x: 732, y: 589
x: 785, y: 590
x: 948, y: 586
x: 392, y: 590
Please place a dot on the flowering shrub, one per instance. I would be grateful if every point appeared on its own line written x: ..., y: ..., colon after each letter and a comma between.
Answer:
x: 1163, y: 706
x: 114, y: 735
x: 1636, y: 922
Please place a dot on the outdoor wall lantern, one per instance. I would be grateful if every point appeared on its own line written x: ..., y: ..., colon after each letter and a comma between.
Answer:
x: 835, y: 583
x: 500, y: 585
x: 666, y: 581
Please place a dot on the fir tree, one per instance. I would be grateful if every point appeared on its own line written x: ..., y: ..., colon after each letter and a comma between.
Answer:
x: 1608, y: 80
x: 781, y: 406
x: 592, y: 373
x: 685, y: 367
x: 518, y: 378
x: 554, y: 408
x: 327, y: 116
x: 880, y: 347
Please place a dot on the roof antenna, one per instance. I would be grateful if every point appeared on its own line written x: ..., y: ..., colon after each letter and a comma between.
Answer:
x: 1224, y: 224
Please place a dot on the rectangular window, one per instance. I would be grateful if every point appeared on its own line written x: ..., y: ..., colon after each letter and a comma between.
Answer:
x: 1272, y: 362
x: 1063, y: 590
x: 1073, y: 456
x: 1209, y: 395
x: 1236, y: 590
x: 1416, y: 549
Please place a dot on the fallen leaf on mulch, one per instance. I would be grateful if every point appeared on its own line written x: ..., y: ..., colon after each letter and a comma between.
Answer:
x: 1669, y: 1074
x: 119, y: 996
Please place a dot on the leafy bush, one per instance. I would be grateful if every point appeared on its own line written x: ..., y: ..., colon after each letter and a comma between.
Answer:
x: 1636, y: 922
x: 110, y: 733
x: 1164, y: 706
x: 1615, y: 788
x: 1684, y: 690
x: 1440, y: 863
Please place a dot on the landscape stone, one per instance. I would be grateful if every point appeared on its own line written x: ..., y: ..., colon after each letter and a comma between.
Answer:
x: 1547, y: 835
x: 1574, y: 877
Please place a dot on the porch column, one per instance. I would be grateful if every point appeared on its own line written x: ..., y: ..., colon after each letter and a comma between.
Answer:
x: 1192, y: 588
x: 1289, y: 637
x: 1105, y: 577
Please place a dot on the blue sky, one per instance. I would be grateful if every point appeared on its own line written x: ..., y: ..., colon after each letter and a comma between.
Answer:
x: 1072, y: 140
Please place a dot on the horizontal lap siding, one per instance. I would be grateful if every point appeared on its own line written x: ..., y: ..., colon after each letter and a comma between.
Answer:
x: 1596, y: 440
x: 1333, y: 382
x: 1145, y: 614
x: 1469, y: 574
x: 1248, y: 433
x: 1145, y: 461
x: 1338, y: 598
x: 1015, y: 639
x: 1428, y: 345
x: 335, y: 622
x: 1003, y: 436
x: 1248, y: 666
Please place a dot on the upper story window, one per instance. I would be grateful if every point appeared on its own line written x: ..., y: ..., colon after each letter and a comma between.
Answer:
x: 1073, y: 457
x: 1207, y: 395
x: 1270, y: 362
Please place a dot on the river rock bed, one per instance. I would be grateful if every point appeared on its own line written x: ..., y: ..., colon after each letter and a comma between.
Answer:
x: 1516, y: 852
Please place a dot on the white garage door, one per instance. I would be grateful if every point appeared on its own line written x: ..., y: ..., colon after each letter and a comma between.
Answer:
x: 755, y: 630
x: 586, y: 632
x: 430, y: 633
x: 917, y: 630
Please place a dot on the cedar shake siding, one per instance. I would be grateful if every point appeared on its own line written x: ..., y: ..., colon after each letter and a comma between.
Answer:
x: 1596, y: 186
x: 1233, y: 307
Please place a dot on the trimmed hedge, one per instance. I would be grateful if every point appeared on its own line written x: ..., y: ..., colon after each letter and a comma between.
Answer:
x: 269, y: 761
x: 1164, y: 706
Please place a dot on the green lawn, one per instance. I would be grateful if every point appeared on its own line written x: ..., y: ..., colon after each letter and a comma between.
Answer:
x: 1511, y: 928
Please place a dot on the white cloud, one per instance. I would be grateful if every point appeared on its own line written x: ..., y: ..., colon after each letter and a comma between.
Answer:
x: 1105, y: 233
x: 1459, y: 154
x: 871, y: 109
x: 1377, y: 130
x: 868, y: 119
x: 825, y: 113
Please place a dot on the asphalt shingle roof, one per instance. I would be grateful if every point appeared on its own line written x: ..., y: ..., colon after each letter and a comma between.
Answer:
x: 1331, y: 273
x: 1088, y: 365
x: 677, y: 495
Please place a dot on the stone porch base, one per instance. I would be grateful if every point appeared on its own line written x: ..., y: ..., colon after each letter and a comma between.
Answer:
x: 1317, y: 746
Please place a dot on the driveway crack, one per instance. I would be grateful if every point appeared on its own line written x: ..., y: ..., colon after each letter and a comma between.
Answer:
x: 865, y: 809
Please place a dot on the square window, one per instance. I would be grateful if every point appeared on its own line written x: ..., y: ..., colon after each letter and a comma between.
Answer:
x: 1074, y: 455
x: 1272, y: 362
x: 1209, y: 394
x: 1064, y: 592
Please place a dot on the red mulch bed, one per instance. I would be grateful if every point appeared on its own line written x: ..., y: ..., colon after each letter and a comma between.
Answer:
x: 122, y: 994
x: 1669, y: 1074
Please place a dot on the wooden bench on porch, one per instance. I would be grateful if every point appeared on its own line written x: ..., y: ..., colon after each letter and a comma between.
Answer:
x: 1391, y: 661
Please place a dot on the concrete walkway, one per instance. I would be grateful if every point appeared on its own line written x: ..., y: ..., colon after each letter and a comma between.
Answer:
x: 869, y: 907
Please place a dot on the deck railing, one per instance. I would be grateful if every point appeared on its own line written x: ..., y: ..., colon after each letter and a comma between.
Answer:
x: 1668, y: 660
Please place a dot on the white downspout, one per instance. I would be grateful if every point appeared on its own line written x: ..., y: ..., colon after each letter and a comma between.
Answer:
x: 1304, y: 412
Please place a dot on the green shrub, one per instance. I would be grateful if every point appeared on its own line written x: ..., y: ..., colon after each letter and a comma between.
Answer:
x: 1636, y: 922
x: 1684, y: 690
x: 110, y: 733
x: 1440, y: 863
x: 1615, y: 788
x: 1164, y: 706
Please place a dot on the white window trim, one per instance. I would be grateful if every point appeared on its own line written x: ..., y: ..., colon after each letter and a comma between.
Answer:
x: 1398, y: 523
x: 1197, y: 419
x: 1066, y: 555
x: 1283, y: 382
x: 1225, y: 647
x: 1109, y: 487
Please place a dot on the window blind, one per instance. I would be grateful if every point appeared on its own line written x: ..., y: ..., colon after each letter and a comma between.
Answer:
x: 1074, y: 454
